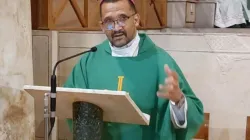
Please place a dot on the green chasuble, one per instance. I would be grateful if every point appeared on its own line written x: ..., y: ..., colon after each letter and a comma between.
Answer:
x: 141, y: 78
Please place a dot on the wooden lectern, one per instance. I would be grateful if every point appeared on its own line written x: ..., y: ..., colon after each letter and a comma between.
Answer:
x: 89, y: 108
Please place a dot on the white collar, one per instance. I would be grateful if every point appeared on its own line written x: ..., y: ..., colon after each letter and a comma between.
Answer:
x: 129, y: 50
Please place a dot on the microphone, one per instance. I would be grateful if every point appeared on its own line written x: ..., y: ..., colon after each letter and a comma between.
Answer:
x: 53, y: 87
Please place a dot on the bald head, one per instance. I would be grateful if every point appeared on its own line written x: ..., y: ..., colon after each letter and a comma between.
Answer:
x: 130, y: 2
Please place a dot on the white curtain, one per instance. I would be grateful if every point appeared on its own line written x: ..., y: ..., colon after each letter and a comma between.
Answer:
x: 231, y: 12
x: 245, y: 8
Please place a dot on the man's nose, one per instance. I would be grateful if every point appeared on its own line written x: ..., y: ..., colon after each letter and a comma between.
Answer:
x: 117, y: 27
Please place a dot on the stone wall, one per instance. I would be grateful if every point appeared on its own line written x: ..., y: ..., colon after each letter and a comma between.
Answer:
x: 16, y: 106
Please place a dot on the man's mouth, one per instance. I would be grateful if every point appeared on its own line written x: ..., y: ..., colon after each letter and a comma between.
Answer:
x: 117, y: 35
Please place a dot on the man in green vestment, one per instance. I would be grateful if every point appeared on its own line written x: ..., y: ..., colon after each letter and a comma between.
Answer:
x: 131, y: 62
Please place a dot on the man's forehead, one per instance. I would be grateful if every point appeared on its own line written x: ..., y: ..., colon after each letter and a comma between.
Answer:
x: 110, y: 9
x: 129, y: 0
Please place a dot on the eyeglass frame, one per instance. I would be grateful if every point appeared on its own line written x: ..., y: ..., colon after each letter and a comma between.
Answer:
x: 113, y: 22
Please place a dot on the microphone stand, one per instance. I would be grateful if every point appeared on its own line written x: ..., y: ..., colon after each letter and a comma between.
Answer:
x: 46, y: 116
x: 52, y: 97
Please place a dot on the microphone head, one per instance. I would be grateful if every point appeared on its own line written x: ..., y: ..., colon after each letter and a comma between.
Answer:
x: 93, y: 49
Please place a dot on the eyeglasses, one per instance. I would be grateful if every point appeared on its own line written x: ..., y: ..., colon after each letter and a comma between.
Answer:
x: 109, y: 24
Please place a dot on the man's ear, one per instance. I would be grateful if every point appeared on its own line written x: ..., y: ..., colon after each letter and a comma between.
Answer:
x: 137, y: 20
x: 100, y: 24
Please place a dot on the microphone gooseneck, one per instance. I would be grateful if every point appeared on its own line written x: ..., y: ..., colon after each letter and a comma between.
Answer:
x: 54, y: 85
